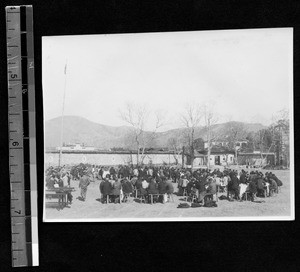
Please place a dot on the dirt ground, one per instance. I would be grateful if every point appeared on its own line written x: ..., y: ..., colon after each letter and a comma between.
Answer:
x: 92, y: 210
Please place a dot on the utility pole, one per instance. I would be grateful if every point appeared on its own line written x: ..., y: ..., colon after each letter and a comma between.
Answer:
x: 62, y: 116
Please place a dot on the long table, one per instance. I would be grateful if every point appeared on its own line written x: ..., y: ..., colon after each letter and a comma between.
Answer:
x: 61, y: 194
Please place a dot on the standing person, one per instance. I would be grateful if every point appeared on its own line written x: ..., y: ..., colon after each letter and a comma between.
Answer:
x: 233, y: 186
x: 64, y: 179
x: 212, y: 187
x: 200, y: 185
x: 83, y: 184
x: 184, y: 183
x: 69, y: 179
x: 112, y: 171
x: 100, y: 173
x: 180, y: 190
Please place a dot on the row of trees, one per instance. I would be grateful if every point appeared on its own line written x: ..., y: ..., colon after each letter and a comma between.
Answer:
x: 195, y: 115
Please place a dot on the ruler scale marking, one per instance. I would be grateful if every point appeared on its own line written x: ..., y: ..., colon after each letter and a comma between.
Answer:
x: 22, y: 152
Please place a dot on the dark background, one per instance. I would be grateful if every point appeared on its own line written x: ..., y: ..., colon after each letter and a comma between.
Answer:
x: 244, y: 246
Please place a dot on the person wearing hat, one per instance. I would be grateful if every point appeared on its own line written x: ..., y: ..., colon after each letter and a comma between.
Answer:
x: 84, y: 182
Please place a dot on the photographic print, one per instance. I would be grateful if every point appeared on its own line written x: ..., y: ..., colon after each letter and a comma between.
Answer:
x: 170, y: 126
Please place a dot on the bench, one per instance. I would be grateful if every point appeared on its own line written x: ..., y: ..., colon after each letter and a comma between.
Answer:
x: 211, y: 196
x: 61, y: 194
x: 246, y: 194
x: 107, y: 198
x: 170, y: 196
x: 151, y: 197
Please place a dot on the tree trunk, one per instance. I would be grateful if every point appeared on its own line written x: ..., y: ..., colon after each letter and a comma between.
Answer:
x: 138, y: 156
x: 208, y: 147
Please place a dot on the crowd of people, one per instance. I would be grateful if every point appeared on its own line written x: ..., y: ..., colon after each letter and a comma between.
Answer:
x: 201, y: 185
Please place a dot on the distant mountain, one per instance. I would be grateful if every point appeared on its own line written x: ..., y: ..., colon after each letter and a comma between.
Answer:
x: 81, y: 130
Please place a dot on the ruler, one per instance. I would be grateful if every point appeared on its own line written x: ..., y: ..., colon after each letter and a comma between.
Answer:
x: 22, y: 135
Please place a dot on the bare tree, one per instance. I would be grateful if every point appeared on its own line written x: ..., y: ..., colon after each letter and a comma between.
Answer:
x: 176, y: 146
x: 281, y: 132
x: 236, y: 131
x: 137, y: 116
x: 191, y: 119
x: 210, y: 119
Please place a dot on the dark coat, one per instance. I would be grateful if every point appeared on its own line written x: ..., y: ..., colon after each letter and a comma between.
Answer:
x: 127, y: 187
x: 273, y: 184
x: 162, y: 187
x: 112, y: 171
x: 116, y: 188
x: 252, y: 187
x: 260, y: 184
x: 169, y: 187
x: 105, y: 187
x: 212, y: 188
x: 126, y: 172
x: 153, y: 188
x: 84, y: 182
x: 243, y: 178
x: 50, y: 183
x: 277, y: 180
x: 189, y: 187
x: 233, y: 184
x: 201, y: 184
x: 140, y: 188
x: 138, y: 184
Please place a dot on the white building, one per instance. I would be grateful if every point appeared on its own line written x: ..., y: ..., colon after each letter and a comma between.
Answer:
x: 76, y: 147
x: 218, y: 156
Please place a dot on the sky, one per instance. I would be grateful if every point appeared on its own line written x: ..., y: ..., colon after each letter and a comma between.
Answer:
x: 247, y: 75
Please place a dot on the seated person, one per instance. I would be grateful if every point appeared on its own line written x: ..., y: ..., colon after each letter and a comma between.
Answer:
x: 223, y: 183
x: 105, y: 188
x: 127, y: 186
x: 145, y: 184
x: 116, y: 190
x: 189, y: 186
x: 139, y: 186
x: 260, y: 186
x: 133, y: 181
x: 201, y: 186
x: 277, y: 180
x: 233, y: 187
x: 153, y: 187
x: 162, y: 189
x: 212, y: 188
x: 273, y: 185
x: 252, y: 188
x: 169, y: 186
x: 50, y: 182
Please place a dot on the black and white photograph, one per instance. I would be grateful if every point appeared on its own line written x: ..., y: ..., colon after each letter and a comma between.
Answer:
x: 169, y: 126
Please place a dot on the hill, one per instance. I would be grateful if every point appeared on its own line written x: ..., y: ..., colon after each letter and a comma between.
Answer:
x: 81, y: 130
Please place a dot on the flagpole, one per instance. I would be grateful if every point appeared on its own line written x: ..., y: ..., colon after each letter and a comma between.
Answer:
x: 62, y: 116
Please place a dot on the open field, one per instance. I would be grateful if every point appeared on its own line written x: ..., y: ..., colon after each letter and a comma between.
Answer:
x: 92, y: 209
